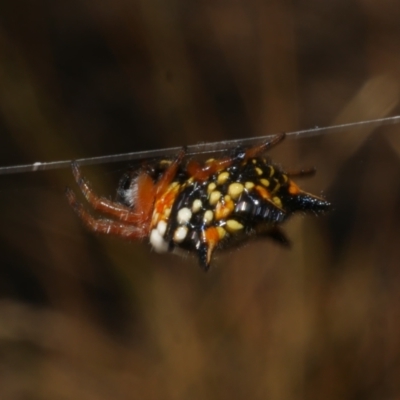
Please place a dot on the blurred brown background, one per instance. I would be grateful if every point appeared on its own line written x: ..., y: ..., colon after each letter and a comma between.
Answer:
x: 88, y: 317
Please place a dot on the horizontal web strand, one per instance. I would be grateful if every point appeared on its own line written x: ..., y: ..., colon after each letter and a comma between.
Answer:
x: 201, y: 148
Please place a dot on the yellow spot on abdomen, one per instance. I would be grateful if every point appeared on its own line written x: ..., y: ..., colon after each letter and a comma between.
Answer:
x: 197, y: 205
x: 235, y: 190
x: 272, y: 171
x: 264, y: 182
x: 222, y: 178
x: 277, y: 201
x: 233, y: 226
x: 211, y: 187
x: 208, y: 217
x: 214, y: 197
x: 249, y: 185
x: 221, y: 232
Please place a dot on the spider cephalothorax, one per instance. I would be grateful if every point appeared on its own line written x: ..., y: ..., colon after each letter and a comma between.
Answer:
x: 197, y: 207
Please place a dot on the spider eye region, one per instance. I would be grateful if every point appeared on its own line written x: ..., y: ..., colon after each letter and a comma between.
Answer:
x: 200, y: 208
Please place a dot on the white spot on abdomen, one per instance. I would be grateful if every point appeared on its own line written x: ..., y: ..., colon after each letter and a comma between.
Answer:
x: 180, y: 234
x: 184, y: 215
x: 158, y: 242
x: 235, y: 190
x: 162, y: 227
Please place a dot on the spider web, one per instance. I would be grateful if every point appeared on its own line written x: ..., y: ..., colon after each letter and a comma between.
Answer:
x: 201, y: 148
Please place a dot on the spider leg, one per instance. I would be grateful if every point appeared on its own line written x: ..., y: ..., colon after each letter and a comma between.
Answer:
x: 302, y: 172
x: 120, y: 211
x: 104, y: 226
x: 169, y: 174
x: 261, y: 148
x: 203, y: 172
x: 99, y: 203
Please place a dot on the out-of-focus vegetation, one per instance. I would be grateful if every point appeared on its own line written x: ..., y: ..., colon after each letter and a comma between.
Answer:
x: 87, y: 317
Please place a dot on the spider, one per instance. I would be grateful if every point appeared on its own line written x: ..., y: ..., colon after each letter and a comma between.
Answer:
x: 200, y: 207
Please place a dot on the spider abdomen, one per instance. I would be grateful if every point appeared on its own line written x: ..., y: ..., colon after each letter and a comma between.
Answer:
x: 237, y: 202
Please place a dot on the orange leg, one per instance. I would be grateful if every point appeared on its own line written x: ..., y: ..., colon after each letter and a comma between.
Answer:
x: 202, y: 173
x: 145, y: 195
x: 105, y: 226
x: 143, y: 203
x: 169, y: 175
x: 148, y: 192
x: 257, y: 150
x: 99, y: 203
